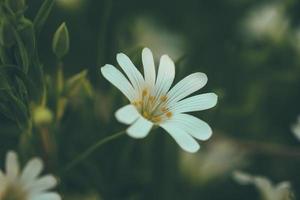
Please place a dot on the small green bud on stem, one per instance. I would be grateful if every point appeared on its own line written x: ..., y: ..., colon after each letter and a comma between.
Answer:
x: 61, y: 42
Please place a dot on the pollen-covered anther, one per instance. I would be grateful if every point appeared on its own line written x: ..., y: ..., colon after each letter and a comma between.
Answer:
x: 146, y: 115
x: 151, y: 99
x: 163, y: 98
x: 145, y: 92
x: 156, y: 119
x: 169, y: 114
x: 164, y: 109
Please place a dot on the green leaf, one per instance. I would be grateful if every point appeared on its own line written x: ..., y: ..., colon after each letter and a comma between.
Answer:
x: 22, y: 52
x: 61, y: 41
x: 27, y: 34
x: 14, y: 71
x: 4, y: 55
x: 6, y: 34
x: 17, y: 6
x: 74, y: 83
x: 42, y: 15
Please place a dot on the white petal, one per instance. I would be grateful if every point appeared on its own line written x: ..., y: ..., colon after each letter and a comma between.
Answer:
x: 31, y: 171
x: 118, y: 80
x: 192, y: 125
x: 131, y: 71
x: 140, y: 128
x: 187, y: 86
x: 127, y: 114
x: 183, y: 139
x: 47, y: 196
x: 165, y: 76
x: 12, y: 165
x: 149, y: 67
x: 195, y: 103
x: 44, y: 183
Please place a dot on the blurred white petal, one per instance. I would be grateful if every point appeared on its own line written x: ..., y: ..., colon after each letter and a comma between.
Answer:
x: 12, y: 165
x: 31, y: 171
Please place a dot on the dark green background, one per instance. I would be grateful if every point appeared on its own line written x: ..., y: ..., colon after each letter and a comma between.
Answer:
x: 258, y: 83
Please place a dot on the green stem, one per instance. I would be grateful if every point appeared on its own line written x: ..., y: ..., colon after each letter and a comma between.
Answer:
x: 93, y: 148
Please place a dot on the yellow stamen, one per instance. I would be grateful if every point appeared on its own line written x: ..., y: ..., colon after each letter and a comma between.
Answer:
x: 169, y: 114
x: 163, y: 98
x: 144, y: 93
x: 156, y: 119
x: 164, y: 109
x: 151, y: 99
x: 146, y: 115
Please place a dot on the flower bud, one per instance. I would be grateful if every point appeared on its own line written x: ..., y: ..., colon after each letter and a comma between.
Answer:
x: 42, y: 116
x: 61, y: 43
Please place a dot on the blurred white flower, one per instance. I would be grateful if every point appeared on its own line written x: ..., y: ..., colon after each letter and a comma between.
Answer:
x: 26, y: 185
x: 148, y: 32
x: 268, y: 191
x: 217, y: 160
x: 152, y: 102
x: 296, y: 128
x: 267, y: 21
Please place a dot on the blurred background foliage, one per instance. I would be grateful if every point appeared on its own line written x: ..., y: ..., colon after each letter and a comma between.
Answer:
x: 248, y: 48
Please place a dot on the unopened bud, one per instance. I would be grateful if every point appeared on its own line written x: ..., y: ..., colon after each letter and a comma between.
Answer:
x: 61, y: 42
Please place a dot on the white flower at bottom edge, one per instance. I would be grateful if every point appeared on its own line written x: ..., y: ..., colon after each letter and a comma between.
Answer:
x: 26, y: 185
x: 152, y: 102
x: 267, y: 189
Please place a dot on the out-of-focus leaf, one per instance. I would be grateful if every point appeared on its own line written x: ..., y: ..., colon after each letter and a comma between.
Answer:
x: 22, y: 52
x: 4, y: 57
x: 6, y: 34
x: 42, y: 15
x: 27, y: 34
x: 74, y: 83
x: 17, y: 6
x: 14, y: 70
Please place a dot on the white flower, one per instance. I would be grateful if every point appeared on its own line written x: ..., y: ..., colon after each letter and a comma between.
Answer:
x: 296, y: 128
x: 152, y: 102
x: 218, y: 159
x: 267, y: 21
x: 149, y: 32
x: 26, y: 185
x: 267, y: 189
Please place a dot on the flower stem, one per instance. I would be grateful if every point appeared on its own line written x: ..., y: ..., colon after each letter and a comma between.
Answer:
x: 93, y: 148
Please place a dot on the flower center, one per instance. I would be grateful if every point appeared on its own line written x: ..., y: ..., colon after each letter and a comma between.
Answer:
x: 153, y: 108
x: 13, y: 192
